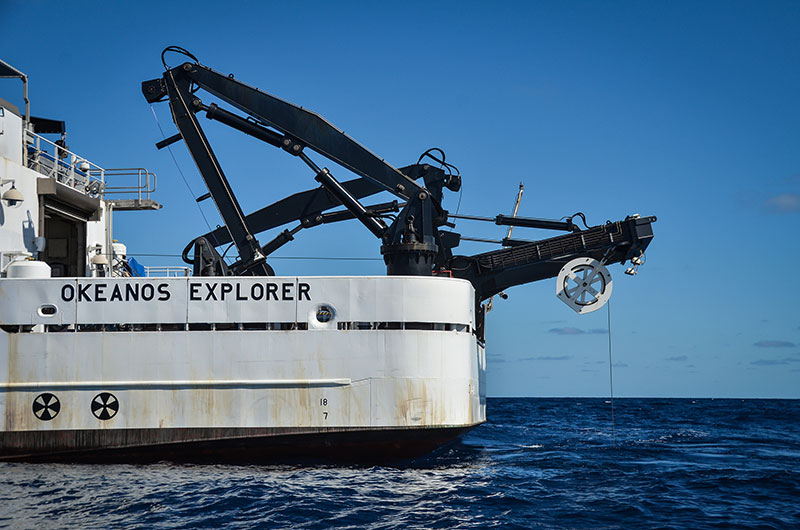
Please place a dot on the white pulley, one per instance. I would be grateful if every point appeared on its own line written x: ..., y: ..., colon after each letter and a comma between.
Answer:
x: 584, y: 284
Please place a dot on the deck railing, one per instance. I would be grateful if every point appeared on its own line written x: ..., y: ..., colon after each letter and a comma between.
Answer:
x: 56, y: 162
x: 167, y: 272
x: 70, y: 169
x: 145, y: 182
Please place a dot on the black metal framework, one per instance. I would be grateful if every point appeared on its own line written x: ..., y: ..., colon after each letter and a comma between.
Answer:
x: 412, y: 244
x: 530, y: 261
x: 293, y: 129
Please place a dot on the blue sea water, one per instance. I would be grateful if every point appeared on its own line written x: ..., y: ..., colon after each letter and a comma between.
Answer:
x: 537, y: 463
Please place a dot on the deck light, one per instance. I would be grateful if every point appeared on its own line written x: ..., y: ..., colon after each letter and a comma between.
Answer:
x: 13, y: 196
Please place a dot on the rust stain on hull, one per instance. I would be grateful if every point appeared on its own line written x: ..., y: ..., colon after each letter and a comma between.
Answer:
x: 13, y: 417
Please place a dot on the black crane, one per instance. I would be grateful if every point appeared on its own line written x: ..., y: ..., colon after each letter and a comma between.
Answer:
x: 412, y: 244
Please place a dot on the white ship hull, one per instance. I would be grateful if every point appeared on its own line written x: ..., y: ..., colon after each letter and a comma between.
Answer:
x: 269, y: 381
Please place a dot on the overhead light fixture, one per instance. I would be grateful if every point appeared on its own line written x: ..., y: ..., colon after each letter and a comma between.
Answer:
x: 13, y: 196
x: 100, y: 260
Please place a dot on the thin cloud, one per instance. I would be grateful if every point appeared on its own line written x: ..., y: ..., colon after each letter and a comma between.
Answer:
x: 677, y: 358
x: 547, y: 358
x: 774, y: 344
x: 768, y: 362
x: 577, y: 331
x: 566, y: 331
x: 783, y: 203
x: 775, y: 362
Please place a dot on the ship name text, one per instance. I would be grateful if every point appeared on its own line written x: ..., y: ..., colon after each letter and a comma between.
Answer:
x: 198, y: 292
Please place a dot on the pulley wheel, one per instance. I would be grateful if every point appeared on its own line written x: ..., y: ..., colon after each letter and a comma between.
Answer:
x: 584, y: 284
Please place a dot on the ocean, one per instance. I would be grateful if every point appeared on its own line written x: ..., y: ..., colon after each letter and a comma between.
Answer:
x: 537, y: 463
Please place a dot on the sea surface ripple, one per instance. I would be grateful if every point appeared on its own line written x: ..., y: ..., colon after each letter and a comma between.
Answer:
x: 537, y: 463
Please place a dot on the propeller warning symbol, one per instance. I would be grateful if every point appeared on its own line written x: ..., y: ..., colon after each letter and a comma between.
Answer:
x: 105, y: 406
x: 46, y: 406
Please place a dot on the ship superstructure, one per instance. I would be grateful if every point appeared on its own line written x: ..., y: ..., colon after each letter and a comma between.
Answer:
x: 224, y: 360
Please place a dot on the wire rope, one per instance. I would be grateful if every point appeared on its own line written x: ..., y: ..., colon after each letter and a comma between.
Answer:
x: 180, y: 172
x: 611, y: 377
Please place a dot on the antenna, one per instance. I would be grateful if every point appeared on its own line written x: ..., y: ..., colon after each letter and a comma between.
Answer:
x: 518, y: 200
x: 516, y: 208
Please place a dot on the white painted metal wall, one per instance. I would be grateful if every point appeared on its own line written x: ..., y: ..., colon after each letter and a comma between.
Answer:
x: 319, y: 377
x: 10, y: 135
x: 207, y: 299
x: 19, y: 224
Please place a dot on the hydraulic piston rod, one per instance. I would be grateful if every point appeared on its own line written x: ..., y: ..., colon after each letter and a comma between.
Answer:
x: 213, y: 112
x: 324, y: 177
x: 526, y: 222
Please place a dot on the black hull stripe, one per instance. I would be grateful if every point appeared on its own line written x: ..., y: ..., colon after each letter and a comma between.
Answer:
x: 224, y: 445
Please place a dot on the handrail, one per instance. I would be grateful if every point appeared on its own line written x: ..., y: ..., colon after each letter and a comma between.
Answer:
x: 167, y: 272
x: 145, y: 182
x: 62, y: 164
x: 56, y: 162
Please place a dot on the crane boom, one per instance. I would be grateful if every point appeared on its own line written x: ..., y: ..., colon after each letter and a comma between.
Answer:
x: 412, y: 244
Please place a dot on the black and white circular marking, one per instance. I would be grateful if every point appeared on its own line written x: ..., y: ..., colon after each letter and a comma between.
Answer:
x: 46, y: 406
x: 105, y: 406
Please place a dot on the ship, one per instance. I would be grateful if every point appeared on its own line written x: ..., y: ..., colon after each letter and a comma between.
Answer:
x: 105, y: 360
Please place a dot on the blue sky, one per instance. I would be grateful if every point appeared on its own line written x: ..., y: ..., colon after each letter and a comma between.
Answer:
x: 684, y: 110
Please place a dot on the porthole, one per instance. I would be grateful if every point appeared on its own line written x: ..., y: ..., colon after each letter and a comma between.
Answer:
x: 47, y: 310
x: 324, y: 314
